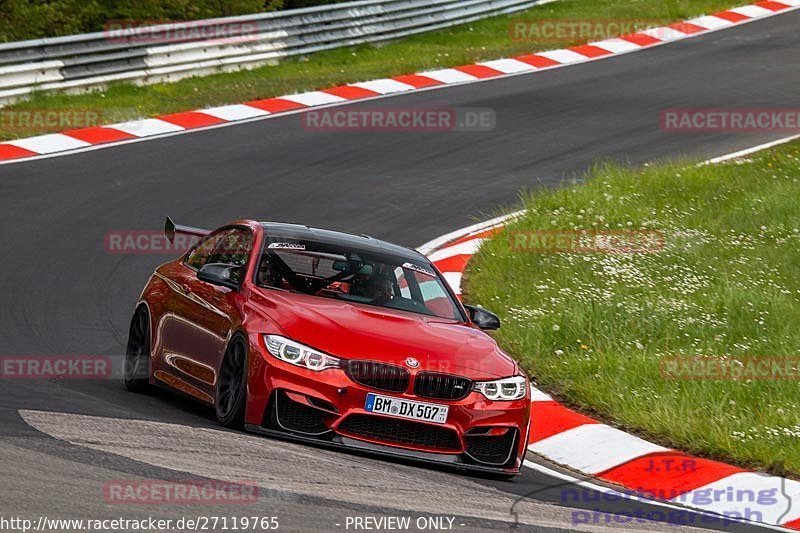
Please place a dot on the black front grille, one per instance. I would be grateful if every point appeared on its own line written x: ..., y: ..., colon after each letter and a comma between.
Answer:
x: 441, y: 386
x: 378, y: 375
x: 491, y: 450
x: 400, y: 432
x: 298, y: 417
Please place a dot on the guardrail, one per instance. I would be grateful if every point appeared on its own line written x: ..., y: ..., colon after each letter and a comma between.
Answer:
x: 170, y: 52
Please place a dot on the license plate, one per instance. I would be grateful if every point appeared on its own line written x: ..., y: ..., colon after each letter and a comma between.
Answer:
x: 386, y: 405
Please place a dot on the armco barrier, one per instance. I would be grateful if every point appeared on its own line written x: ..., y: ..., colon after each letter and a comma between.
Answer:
x: 78, y: 62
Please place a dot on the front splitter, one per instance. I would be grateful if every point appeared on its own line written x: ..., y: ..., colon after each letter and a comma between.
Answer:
x: 342, y: 443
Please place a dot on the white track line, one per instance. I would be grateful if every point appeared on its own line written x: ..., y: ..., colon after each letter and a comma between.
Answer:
x: 438, y: 242
x: 748, y: 151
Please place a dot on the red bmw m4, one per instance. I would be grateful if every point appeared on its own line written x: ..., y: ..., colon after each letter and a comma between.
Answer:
x: 330, y: 338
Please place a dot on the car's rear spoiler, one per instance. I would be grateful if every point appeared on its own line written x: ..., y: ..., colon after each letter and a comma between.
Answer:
x: 170, y: 229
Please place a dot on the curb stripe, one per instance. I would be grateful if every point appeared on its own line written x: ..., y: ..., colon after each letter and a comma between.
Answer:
x: 665, y: 34
x: 609, y: 447
x: 590, y: 50
x: 313, y: 98
x: 794, y: 524
x: 351, y: 92
x: 384, y: 86
x: 49, y: 143
x: 456, y: 263
x: 551, y: 418
x: 146, y: 127
x: 9, y: 151
x: 275, y: 105
x: 508, y: 66
x: 454, y: 280
x: 231, y: 113
x: 538, y: 61
x: 482, y: 234
x: 563, y: 56
x: 687, y: 27
x: 417, y: 81
x: 711, y: 22
x: 480, y: 71
x: 668, y: 475
x: 448, y: 75
x: 751, y: 11
x: 462, y: 248
x: 191, y: 119
x: 539, y: 396
x: 732, y: 16
x: 98, y: 135
x: 772, y: 6
x: 616, y: 46
x: 641, y: 39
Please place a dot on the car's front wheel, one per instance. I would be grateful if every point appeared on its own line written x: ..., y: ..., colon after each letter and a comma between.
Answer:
x: 137, y: 352
x: 231, y: 389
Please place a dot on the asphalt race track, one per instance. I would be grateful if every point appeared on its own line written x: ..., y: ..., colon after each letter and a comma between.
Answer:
x: 64, y: 294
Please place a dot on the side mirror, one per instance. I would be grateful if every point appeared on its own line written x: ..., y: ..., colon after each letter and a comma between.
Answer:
x: 220, y: 274
x: 483, y: 318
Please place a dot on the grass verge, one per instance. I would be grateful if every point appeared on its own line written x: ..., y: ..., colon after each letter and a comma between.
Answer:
x: 599, y: 329
x: 477, y: 41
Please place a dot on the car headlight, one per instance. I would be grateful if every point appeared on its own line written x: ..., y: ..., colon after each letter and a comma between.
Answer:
x: 506, y: 389
x: 300, y: 355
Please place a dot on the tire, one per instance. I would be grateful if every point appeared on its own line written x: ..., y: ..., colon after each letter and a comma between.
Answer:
x: 137, y: 352
x: 231, y: 390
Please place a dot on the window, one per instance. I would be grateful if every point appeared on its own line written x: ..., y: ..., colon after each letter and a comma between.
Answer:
x: 231, y: 246
x: 199, y: 256
x: 370, y: 277
x: 424, y: 287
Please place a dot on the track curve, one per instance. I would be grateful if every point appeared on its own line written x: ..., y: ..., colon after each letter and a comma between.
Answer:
x: 65, y: 295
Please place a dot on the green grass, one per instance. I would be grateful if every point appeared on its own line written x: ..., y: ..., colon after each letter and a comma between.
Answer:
x: 483, y: 40
x: 593, y: 328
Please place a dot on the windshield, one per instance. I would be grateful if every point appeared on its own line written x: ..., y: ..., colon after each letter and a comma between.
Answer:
x: 365, y: 277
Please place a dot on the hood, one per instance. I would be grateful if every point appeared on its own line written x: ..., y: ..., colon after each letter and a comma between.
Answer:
x: 358, y: 331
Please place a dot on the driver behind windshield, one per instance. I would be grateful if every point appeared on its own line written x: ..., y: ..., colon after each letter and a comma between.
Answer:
x: 379, y: 289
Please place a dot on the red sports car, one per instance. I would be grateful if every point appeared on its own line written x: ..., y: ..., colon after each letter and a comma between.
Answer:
x: 330, y: 338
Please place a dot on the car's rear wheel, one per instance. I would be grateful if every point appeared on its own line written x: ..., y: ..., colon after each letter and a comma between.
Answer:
x: 231, y: 389
x: 137, y: 352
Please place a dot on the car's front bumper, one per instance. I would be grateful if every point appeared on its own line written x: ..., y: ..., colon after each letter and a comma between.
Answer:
x: 342, y: 400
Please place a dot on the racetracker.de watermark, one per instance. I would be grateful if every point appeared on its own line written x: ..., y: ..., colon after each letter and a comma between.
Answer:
x: 160, y: 492
x: 577, y: 30
x: 587, y: 241
x: 146, y: 242
x: 740, y: 368
x: 165, y: 31
x: 56, y: 367
x: 694, y: 120
x: 406, y: 120
x: 24, y: 121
